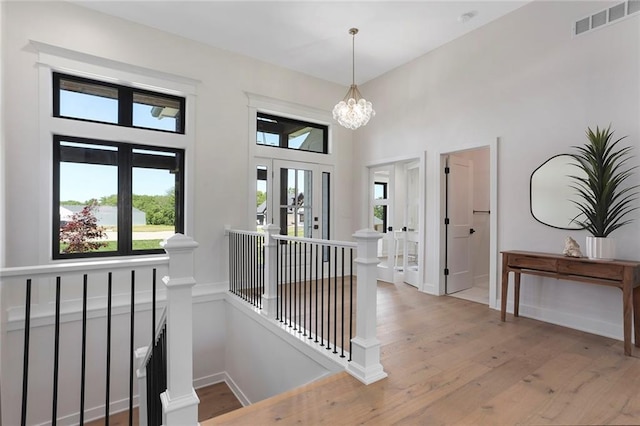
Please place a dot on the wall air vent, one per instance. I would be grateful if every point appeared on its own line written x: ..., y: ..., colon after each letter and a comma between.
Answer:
x: 605, y: 17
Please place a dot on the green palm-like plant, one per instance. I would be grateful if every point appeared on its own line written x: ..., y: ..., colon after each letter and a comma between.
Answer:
x: 604, y: 202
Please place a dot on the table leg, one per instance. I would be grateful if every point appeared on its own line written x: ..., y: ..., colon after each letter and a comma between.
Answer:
x: 627, y: 310
x: 505, y: 289
x: 636, y: 315
x: 516, y: 296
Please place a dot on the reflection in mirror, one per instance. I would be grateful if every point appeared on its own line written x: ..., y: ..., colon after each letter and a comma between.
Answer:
x: 552, y: 192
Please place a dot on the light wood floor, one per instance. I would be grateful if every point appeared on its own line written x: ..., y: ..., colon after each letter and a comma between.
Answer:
x: 452, y: 361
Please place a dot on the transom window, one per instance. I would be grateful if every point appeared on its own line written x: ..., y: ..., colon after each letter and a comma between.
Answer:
x: 291, y: 134
x: 113, y: 199
x: 90, y: 100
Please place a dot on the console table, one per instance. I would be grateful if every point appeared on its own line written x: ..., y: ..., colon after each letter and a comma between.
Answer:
x: 624, y: 275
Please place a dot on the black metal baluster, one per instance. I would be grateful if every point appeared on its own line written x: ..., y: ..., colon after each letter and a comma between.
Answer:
x: 310, y: 293
x: 25, y: 359
x: 108, y: 376
x: 262, y: 261
x: 290, y: 282
x: 322, y: 301
x: 294, y: 318
x: 242, y: 259
x: 299, y: 322
x: 329, y: 300
x: 278, y: 277
x: 131, y: 349
x: 56, y: 356
x: 84, y: 346
x: 335, y: 299
x: 254, y: 268
x: 236, y: 261
x: 318, y: 250
x: 342, y: 320
x: 231, y: 259
x: 350, y: 302
x: 251, y: 271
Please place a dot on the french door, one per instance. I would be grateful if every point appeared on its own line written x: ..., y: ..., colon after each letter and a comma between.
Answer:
x: 298, y: 197
x: 381, y: 218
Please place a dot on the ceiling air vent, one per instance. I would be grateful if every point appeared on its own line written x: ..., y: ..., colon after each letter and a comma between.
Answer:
x: 607, y: 16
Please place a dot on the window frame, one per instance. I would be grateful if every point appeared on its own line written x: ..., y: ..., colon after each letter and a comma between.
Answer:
x: 125, y: 103
x: 282, y: 136
x: 125, y: 164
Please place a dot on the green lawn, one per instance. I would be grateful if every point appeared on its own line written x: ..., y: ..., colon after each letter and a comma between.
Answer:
x: 137, y: 245
x: 153, y: 228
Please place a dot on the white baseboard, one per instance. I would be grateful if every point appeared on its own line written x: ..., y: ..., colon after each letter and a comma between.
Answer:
x: 237, y: 391
x: 429, y: 289
x: 94, y: 413
x: 219, y: 378
x: 576, y: 322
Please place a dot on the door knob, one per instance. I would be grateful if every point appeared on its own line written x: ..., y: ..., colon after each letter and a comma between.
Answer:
x: 472, y: 231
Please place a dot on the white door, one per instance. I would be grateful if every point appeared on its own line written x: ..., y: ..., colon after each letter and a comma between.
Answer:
x: 411, y: 244
x: 459, y: 229
x: 381, y: 190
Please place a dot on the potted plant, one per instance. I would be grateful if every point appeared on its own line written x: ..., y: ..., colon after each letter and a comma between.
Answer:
x: 604, y: 198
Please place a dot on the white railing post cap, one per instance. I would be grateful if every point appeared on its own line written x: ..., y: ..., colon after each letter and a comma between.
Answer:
x: 179, y: 241
x: 272, y: 228
x: 367, y: 234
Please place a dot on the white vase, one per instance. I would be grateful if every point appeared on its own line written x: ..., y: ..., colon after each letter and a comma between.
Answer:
x: 600, y: 248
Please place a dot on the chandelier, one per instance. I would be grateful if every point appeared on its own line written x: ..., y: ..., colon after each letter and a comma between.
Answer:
x: 354, y: 110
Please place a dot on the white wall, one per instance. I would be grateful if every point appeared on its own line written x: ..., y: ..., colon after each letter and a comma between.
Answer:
x: 524, y: 79
x: 221, y: 131
x: 221, y: 164
x: 282, y: 364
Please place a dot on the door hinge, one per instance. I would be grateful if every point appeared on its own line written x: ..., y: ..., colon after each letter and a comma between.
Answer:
x: 446, y: 220
x: 447, y: 170
x: 446, y: 271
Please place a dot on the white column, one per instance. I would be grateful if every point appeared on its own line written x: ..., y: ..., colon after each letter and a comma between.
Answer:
x: 365, y: 352
x: 141, y: 373
x: 270, y: 296
x: 179, y: 401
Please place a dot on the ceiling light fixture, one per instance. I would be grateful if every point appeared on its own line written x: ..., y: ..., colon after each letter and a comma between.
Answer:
x: 353, y: 111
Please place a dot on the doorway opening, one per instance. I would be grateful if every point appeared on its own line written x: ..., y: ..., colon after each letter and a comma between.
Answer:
x: 467, y: 224
x: 396, y: 210
x: 296, y: 196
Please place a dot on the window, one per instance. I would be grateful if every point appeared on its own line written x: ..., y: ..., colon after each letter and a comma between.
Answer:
x: 113, y: 199
x: 380, y: 207
x: 89, y: 100
x: 291, y: 134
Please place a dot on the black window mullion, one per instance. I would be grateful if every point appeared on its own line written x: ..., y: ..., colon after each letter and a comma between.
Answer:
x: 124, y: 200
x: 55, y: 236
x: 126, y: 158
x: 125, y: 106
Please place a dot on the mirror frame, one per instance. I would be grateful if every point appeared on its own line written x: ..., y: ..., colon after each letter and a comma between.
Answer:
x: 577, y: 227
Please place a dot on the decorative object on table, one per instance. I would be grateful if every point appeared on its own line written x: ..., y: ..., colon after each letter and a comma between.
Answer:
x: 604, y: 198
x: 571, y: 248
x: 354, y: 110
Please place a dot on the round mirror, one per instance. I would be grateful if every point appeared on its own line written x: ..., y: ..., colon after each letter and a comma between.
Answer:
x: 551, y: 192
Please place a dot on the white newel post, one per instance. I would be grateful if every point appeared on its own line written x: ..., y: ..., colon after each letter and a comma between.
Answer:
x: 179, y: 401
x: 269, y: 298
x: 141, y: 374
x: 365, y: 352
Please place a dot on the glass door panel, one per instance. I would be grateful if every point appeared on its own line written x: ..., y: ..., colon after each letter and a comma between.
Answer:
x: 381, y: 181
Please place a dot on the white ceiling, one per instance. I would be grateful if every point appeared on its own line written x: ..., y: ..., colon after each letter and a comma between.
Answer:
x: 312, y: 36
